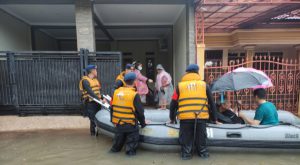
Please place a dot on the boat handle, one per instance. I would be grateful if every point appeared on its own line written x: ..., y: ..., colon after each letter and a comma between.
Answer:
x: 234, y: 135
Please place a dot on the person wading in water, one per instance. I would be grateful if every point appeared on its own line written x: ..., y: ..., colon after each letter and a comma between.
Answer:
x: 90, y: 87
x: 192, y: 103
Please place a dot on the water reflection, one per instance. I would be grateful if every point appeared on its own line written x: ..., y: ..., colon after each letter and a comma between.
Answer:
x: 77, y: 147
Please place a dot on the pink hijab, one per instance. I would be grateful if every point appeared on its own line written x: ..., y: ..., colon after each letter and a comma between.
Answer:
x: 163, y: 78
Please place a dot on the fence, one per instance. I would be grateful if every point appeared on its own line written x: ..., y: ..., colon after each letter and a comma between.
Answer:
x: 47, y: 82
x: 284, y: 73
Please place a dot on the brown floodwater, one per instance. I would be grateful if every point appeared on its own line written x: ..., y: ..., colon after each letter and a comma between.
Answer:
x: 77, y: 147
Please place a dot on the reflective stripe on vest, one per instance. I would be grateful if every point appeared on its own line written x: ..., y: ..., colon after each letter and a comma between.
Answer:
x: 192, y: 102
x: 122, y: 106
x: 94, y: 85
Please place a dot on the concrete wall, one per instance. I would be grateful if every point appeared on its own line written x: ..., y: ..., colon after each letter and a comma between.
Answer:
x: 179, y: 46
x: 190, y: 22
x: 14, y: 34
x: 253, y: 37
x: 85, y: 31
x: 44, y: 42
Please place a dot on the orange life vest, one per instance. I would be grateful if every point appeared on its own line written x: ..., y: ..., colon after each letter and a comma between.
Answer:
x: 123, y: 107
x: 192, y: 101
x: 94, y: 84
x: 121, y: 78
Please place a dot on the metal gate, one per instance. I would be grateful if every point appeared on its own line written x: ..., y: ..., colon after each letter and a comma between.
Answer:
x: 42, y: 82
x: 284, y: 73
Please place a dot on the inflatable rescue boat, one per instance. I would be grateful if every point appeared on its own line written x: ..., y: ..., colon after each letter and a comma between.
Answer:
x: 158, y: 135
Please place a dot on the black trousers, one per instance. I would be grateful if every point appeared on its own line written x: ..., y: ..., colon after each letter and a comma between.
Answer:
x: 126, y: 134
x: 186, y: 137
x: 91, y: 109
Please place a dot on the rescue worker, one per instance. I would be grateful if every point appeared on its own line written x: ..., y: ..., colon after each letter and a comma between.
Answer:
x: 120, y: 78
x: 90, y: 86
x: 192, y: 102
x: 127, y: 110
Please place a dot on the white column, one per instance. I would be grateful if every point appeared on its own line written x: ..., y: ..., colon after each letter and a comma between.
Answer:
x: 85, y: 25
x: 201, y: 59
x: 249, y: 54
x: 225, y: 57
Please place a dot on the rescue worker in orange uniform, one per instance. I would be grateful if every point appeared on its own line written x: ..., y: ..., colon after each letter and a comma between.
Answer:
x: 126, y: 111
x: 120, y: 78
x: 193, y: 104
x: 90, y: 86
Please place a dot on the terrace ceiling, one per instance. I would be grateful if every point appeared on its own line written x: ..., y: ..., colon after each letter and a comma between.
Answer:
x: 229, y: 15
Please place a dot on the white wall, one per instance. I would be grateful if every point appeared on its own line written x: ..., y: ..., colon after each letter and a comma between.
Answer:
x: 14, y: 34
x: 179, y: 46
x: 44, y: 42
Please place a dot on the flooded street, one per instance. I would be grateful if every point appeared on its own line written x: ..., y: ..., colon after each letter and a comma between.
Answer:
x: 77, y: 147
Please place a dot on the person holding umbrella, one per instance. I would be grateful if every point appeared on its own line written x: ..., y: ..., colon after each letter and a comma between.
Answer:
x: 242, y: 78
x: 193, y: 104
x: 266, y: 113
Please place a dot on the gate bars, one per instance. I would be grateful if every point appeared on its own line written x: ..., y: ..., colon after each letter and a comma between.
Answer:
x: 284, y: 73
x: 46, y: 82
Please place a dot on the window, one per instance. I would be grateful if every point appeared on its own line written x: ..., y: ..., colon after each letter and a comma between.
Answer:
x: 213, y: 55
x: 235, y: 56
x: 261, y: 62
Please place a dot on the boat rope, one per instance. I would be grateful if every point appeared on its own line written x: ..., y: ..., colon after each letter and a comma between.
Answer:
x: 290, y: 124
x: 220, y: 126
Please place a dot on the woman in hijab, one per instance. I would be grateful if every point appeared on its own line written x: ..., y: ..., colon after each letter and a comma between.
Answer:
x: 141, y: 83
x: 163, y: 86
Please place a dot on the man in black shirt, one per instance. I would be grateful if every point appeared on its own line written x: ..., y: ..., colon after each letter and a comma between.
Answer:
x: 127, y: 113
x: 90, y: 86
